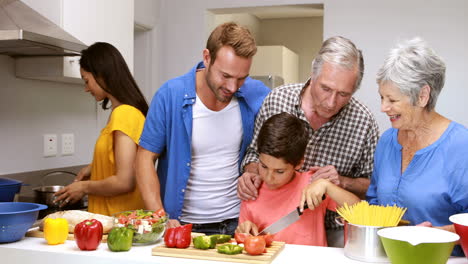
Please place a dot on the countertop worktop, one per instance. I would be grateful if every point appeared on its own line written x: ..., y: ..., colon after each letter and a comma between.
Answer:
x: 35, y: 250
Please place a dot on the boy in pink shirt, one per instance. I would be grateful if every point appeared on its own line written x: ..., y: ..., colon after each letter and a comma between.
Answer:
x: 282, y: 141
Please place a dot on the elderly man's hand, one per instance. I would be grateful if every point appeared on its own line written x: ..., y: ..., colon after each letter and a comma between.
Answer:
x: 249, y: 182
x: 327, y: 172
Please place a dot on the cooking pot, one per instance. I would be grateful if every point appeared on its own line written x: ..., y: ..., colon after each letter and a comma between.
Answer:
x: 45, y: 194
x: 362, y: 242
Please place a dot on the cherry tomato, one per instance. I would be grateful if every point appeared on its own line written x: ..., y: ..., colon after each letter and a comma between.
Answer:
x: 255, y: 245
x: 268, y: 239
x: 240, y: 237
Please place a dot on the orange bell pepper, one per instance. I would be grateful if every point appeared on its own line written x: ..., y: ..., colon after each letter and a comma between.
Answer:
x: 55, y: 230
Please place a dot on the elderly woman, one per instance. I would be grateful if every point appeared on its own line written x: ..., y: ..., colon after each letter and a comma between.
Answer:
x: 421, y: 163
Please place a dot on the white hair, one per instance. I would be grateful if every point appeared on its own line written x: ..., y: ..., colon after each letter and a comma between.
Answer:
x: 342, y: 52
x: 412, y: 65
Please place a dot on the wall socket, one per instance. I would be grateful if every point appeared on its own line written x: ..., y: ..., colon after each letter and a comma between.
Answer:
x: 68, y: 144
x: 50, y: 145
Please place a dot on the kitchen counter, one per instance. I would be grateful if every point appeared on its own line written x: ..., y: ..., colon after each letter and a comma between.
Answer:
x: 35, y: 250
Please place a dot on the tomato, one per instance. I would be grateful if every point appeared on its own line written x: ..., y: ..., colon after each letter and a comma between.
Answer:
x: 240, y: 237
x: 160, y: 212
x: 268, y: 239
x: 255, y: 245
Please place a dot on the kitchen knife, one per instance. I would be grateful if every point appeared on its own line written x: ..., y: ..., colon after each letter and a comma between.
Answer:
x: 285, y: 221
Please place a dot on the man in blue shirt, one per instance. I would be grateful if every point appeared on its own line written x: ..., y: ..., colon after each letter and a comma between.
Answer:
x: 198, y: 128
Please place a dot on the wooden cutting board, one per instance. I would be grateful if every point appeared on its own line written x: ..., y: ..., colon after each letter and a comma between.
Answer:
x: 38, y: 233
x: 212, y: 254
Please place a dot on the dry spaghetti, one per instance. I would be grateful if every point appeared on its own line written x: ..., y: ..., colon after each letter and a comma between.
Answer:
x: 371, y: 215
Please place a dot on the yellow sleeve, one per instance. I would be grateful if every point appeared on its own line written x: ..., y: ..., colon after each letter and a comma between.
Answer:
x: 129, y: 120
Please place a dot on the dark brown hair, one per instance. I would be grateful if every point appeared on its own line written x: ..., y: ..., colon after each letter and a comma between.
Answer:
x: 111, y: 72
x: 283, y: 136
x: 232, y: 35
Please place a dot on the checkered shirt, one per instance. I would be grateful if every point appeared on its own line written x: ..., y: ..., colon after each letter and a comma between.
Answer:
x: 347, y: 141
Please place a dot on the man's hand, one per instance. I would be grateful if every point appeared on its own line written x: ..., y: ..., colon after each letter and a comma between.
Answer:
x: 249, y: 182
x: 328, y: 173
x: 172, y: 223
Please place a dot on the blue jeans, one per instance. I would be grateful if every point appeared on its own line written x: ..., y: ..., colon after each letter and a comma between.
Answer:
x: 225, y: 227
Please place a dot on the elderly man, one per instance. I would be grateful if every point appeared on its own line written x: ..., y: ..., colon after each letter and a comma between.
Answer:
x: 198, y: 127
x: 343, y: 132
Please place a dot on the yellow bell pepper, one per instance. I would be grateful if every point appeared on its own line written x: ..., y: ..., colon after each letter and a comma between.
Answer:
x: 55, y: 230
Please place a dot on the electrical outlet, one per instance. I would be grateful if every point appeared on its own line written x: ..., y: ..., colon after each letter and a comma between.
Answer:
x: 50, y: 145
x: 68, y: 144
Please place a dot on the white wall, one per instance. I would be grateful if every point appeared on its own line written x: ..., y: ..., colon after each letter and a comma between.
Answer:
x: 146, y: 52
x: 249, y: 21
x: 374, y: 26
x: 442, y: 23
x: 29, y: 109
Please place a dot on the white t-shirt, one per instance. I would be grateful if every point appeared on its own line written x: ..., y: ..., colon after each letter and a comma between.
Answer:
x: 210, y: 195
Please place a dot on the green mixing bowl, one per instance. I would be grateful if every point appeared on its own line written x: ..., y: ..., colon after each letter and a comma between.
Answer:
x: 417, y: 244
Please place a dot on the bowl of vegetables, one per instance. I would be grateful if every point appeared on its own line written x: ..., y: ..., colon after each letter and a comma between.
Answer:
x: 148, y: 226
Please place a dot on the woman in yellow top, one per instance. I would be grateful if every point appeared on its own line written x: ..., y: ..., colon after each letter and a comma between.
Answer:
x: 110, y: 179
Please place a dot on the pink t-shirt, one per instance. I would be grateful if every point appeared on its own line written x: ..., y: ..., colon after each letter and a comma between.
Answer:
x: 271, y: 205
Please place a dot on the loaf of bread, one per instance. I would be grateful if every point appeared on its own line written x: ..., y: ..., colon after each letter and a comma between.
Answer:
x: 74, y: 217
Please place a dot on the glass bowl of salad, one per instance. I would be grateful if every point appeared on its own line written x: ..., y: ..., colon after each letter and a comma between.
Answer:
x: 148, y: 226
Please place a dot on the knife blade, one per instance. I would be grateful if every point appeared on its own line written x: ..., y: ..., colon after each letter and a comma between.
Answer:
x: 285, y: 221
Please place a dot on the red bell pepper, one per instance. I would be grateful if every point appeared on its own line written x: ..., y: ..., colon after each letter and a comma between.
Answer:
x: 88, y: 234
x: 178, y: 237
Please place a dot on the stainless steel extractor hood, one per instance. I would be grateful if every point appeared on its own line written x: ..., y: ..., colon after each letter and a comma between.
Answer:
x: 25, y: 32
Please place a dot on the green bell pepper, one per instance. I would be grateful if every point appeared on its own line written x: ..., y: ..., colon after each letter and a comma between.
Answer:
x: 120, y: 239
x: 204, y: 242
x: 230, y: 249
x: 221, y: 238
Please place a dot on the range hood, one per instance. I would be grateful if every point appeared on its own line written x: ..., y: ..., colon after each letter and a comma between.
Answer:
x: 24, y: 33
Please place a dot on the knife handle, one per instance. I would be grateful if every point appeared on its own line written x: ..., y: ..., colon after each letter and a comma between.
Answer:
x: 306, y: 206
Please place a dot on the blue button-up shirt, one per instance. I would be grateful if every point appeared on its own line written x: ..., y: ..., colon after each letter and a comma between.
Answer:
x: 168, y: 131
x: 433, y: 186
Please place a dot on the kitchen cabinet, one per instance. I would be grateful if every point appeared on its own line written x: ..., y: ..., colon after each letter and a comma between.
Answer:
x: 276, y: 61
x: 58, y: 69
x: 87, y: 20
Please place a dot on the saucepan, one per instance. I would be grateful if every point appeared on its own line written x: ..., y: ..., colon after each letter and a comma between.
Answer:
x: 362, y: 242
x: 44, y: 194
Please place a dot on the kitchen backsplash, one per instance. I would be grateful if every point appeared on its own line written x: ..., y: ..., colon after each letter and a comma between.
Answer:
x: 34, y: 179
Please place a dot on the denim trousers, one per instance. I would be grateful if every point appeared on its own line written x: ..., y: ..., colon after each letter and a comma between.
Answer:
x: 225, y: 227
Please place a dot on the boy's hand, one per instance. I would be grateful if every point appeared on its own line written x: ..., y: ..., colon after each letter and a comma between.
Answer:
x: 313, y: 193
x: 247, y: 227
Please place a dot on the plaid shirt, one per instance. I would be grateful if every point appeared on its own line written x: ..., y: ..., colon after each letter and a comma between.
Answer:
x: 347, y: 141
